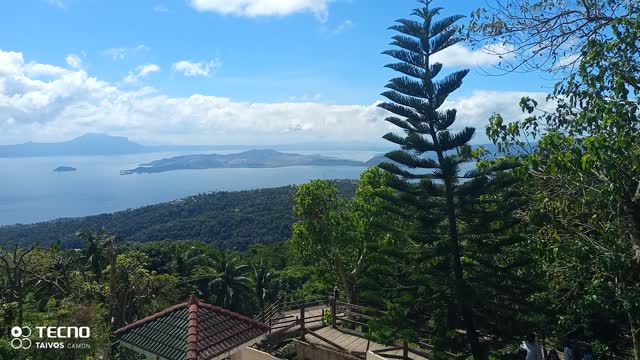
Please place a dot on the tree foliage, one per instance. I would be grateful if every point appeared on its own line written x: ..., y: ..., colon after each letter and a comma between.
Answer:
x: 469, y: 256
x: 229, y: 220
x: 585, y: 186
x: 338, y: 232
x: 545, y: 34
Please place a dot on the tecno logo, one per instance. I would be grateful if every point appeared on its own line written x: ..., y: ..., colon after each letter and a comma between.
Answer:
x: 20, y: 337
x: 63, y: 332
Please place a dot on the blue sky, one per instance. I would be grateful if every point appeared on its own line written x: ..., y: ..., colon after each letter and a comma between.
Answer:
x: 208, y: 71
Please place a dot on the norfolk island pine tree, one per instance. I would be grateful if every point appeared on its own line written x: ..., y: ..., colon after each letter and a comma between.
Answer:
x: 447, y: 206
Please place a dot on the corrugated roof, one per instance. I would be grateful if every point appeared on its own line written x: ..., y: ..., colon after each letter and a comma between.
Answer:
x: 191, y: 330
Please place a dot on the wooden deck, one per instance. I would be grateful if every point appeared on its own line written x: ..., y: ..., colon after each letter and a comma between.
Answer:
x: 353, y: 343
x: 309, y: 313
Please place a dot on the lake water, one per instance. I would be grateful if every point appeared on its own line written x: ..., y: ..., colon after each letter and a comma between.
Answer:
x: 31, y: 192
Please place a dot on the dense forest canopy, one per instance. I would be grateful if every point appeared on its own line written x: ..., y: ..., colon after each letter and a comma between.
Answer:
x: 229, y: 220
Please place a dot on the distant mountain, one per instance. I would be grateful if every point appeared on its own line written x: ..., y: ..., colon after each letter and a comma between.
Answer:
x: 247, y: 159
x: 376, y: 160
x: 88, y: 144
x: 230, y: 220
x: 103, y: 144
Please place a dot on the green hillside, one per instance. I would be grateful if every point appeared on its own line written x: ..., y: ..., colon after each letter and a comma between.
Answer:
x: 230, y: 220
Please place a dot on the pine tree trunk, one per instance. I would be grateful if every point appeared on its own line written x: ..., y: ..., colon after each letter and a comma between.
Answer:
x: 634, y: 328
x: 461, y: 291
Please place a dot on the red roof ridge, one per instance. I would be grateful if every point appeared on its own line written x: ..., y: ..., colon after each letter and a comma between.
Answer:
x: 192, y: 305
x: 233, y: 315
x: 151, y: 317
x: 193, y: 300
x: 192, y: 329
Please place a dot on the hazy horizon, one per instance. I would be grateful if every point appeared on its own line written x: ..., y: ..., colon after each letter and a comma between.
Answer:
x: 381, y: 143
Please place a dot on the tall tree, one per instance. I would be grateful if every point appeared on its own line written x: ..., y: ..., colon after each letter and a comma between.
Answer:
x: 465, y: 233
x: 416, y: 99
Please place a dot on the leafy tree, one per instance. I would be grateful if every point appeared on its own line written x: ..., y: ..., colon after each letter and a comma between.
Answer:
x: 17, y: 282
x: 586, y: 182
x: 337, y: 232
x: 545, y: 34
x: 137, y: 289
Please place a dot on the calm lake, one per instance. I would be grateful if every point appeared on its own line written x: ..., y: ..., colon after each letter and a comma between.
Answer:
x: 31, y: 192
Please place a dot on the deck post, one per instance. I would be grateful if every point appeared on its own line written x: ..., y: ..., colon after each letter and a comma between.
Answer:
x: 302, y: 330
x: 334, y: 306
x: 405, y: 350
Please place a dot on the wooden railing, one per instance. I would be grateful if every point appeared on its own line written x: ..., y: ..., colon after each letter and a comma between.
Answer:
x: 354, y: 314
x: 351, y: 318
x: 271, y: 311
x: 306, y: 302
x: 301, y: 318
x: 276, y: 314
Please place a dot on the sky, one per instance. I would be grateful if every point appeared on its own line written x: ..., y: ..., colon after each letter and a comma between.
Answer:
x: 222, y: 71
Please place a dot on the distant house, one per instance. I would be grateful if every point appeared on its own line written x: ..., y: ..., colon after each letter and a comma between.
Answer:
x: 194, y: 330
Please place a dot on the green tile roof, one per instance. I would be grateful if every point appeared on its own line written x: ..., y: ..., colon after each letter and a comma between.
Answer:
x: 192, y: 330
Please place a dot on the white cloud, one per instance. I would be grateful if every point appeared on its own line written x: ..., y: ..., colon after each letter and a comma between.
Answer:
x: 11, y: 62
x: 263, y: 7
x: 343, y: 26
x: 306, y: 98
x: 197, y: 69
x: 35, y: 70
x: 125, y: 52
x: 159, y: 8
x: 475, y: 110
x: 74, y: 61
x: 459, y: 55
x: 141, y: 71
x: 567, y: 60
x: 144, y: 70
x: 42, y: 102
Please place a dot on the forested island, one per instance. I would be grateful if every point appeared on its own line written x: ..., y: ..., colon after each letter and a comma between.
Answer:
x: 263, y: 159
x: 64, y: 169
x: 246, y: 159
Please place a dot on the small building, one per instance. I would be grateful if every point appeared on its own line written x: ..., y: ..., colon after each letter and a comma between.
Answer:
x: 194, y: 330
